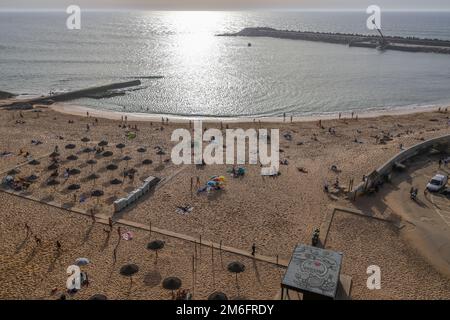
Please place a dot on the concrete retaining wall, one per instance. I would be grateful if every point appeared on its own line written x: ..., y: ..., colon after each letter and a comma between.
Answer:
x: 404, y: 155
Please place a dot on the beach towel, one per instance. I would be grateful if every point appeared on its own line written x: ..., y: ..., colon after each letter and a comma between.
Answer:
x: 82, y: 261
x: 127, y: 235
x: 184, y: 210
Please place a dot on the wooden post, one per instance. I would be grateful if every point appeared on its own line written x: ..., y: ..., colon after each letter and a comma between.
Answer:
x: 150, y: 228
x: 277, y: 260
x: 200, y: 247
x: 192, y: 182
x: 212, y: 263
x: 220, y: 252
x: 193, y: 275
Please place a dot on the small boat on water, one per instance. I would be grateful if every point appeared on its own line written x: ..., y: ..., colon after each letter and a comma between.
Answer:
x: 249, y: 44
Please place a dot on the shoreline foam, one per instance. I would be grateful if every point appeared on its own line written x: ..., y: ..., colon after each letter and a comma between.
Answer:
x: 79, y: 110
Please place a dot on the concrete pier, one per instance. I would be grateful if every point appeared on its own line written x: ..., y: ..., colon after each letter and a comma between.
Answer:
x: 66, y: 96
x: 409, y: 44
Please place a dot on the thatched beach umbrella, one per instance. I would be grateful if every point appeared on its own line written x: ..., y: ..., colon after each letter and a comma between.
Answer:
x: 32, y: 178
x: 126, y: 158
x: 97, y: 194
x: 120, y: 146
x: 85, y: 140
x: 129, y: 270
x: 236, y: 267
x: 70, y: 146
x: 141, y: 151
x: 93, y: 176
x: 155, y: 246
x: 72, y: 157
x: 115, y: 181
x: 91, y: 162
x: 52, y: 183
x: 111, y: 167
x: 217, y: 296
x: 103, y: 143
x: 73, y: 187
x: 147, y: 161
x: 107, y: 154
x: 87, y: 150
x: 54, y: 154
x: 53, y: 166
x: 171, y: 283
x: 34, y: 162
x: 98, y: 297
x: 74, y: 171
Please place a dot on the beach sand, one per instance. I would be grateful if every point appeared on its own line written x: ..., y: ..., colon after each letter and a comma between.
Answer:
x: 274, y: 213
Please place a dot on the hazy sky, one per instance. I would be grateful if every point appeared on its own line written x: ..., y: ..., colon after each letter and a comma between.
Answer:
x: 227, y: 4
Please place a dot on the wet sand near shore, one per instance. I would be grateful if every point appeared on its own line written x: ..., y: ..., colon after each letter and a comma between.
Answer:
x: 274, y: 213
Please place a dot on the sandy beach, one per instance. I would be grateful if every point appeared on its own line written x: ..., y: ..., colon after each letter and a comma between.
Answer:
x: 274, y: 213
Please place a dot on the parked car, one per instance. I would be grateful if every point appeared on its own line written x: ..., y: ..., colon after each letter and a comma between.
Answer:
x: 437, y: 183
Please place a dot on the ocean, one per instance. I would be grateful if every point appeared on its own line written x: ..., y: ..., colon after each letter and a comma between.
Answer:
x: 206, y: 75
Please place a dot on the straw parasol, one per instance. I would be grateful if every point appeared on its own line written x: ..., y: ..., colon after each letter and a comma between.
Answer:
x: 120, y: 146
x: 217, y: 296
x: 52, y: 183
x: 72, y: 157
x: 98, y: 297
x: 103, y: 143
x: 54, y: 154
x: 74, y: 171
x: 107, y: 153
x: 93, y: 176
x: 147, y: 161
x: 171, y: 283
x: 129, y: 270
x: 155, y: 245
x: 115, y: 181
x: 73, y: 187
x: 53, y: 166
x: 91, y: 162
x: 85, y: 139
x: 70, y: 146
x: 34, y: 162
x: 236, y: 267
x: 97, y: 194
x: 126, y: 158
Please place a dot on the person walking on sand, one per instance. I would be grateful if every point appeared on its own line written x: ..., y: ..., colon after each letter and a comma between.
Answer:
x: 92, y: 215
x: 37, y: 240
x: 110, y: 223
x: 198, y: 182
x: 58, y: 245
x: 27, y: 227
x: 253, y: 249
x: 284, y: 116
x: 440, y: 163
x: 291, y: 118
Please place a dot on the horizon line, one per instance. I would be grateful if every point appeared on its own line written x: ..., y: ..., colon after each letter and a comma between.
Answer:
x: 120, y: 9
